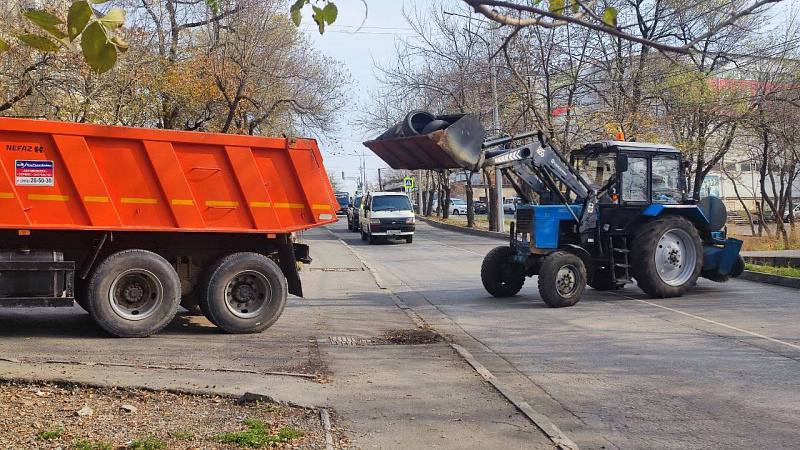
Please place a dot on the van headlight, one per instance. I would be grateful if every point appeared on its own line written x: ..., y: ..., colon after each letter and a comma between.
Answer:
x: 411, y: 221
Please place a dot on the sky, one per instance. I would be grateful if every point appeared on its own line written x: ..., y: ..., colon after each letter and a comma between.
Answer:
x: 357, y: 50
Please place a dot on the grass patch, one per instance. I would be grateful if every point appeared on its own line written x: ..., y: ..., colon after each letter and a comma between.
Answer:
x: 89, y: 445
x: 182, y: 435
x: 48, y: 435
x: 258, y: 435
x: 791, y: 272
x: 150, y: 443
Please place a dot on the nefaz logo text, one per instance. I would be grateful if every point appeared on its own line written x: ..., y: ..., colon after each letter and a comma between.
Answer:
x: 21, y: 147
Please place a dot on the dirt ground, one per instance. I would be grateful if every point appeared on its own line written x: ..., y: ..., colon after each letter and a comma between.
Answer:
x: 51, y: 416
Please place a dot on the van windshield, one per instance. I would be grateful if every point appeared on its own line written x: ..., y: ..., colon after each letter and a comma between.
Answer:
x: 391, y: 203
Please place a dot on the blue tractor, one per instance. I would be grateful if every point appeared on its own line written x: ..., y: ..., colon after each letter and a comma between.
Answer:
x: 615, y: 212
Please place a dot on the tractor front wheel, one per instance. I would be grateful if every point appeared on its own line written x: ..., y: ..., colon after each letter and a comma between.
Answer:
x: 500, y: 274
x: 562, y: 279
x: 666, y: 256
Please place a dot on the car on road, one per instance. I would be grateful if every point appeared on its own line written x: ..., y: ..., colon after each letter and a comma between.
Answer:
x: 480, y: 207
x: 795, y: 214
x: 386, y: 214
x: 343, y: 198
x: 353, y: 213
x: 510, y: 205
x: 458, y: 206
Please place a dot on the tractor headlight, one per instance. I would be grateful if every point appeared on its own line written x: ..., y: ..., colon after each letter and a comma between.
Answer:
x: 411, y: 221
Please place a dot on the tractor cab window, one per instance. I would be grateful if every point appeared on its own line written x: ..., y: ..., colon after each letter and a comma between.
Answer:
x: 634, y: 181
x: 597, y: 168
x: 666, y: 180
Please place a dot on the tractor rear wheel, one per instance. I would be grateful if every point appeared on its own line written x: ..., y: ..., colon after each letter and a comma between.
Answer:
x: 562, y: 279
x: 500, y: 274
x: 666, y: 256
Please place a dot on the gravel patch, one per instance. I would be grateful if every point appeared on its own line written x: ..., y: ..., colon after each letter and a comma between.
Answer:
x: 55, y: 416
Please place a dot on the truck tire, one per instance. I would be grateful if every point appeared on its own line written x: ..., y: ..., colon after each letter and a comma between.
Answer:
x: 666, y: 256
x: 133, y: 293
x: 244, y: 293
x: 500, y: 274
x: 562, y: 279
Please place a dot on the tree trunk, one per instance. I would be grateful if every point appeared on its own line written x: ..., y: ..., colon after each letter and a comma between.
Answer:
x: 470, y: 201
x: 446, y: 191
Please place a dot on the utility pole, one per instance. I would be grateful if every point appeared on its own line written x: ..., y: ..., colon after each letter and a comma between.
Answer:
x: 498, y: 174
x: 419, y: 192
x: 380, y: 180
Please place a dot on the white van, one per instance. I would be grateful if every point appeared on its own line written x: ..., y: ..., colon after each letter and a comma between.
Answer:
x: 387, y: 214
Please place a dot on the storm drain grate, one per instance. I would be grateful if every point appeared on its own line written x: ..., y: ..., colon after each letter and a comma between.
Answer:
x: 336, y: 269
x: 395, y: 337
x: 352, y: 341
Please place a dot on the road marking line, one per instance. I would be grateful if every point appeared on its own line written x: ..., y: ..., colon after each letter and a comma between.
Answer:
x: 761, y: 336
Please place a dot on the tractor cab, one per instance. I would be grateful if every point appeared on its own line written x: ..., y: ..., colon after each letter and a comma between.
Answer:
x: 632, y: 173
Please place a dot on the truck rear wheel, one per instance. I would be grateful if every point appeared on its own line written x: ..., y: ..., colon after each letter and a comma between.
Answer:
x: 562, y: 279
x: 133, y: 293
x: 244, y: 293
x: 666, y: 257
x: 500, y: 274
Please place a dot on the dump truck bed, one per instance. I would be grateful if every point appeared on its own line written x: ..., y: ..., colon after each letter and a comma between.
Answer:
x: 72, y: 176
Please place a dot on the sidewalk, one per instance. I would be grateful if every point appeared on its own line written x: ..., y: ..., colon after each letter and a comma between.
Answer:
x: 385, y: 396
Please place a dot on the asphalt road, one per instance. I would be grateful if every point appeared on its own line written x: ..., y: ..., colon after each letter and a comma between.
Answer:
x: 718, y: 368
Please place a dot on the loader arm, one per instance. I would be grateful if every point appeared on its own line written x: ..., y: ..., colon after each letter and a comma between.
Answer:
x: 542, y: 167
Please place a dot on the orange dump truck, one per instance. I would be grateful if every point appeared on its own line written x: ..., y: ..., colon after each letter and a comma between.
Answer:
x: 131, y: 222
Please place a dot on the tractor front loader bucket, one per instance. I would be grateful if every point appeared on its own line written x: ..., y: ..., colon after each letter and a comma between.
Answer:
x: 425, y: 141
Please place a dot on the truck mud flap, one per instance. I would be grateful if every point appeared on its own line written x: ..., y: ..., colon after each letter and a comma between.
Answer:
x: 288, y: 265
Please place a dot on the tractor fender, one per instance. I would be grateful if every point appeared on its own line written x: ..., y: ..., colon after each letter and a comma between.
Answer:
x: 691, y: 212
x: 584, y: 255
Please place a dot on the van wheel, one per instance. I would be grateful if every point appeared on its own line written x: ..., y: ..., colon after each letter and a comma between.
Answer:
x: 244, y: 293
x: 133, y: 293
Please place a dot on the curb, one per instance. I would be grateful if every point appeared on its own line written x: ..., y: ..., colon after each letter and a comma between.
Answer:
x: 770, y: 279
x: 464, y: 230
x: 782, y: 261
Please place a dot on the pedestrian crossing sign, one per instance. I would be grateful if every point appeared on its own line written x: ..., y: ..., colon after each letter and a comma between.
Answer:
x: 408, y: 183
